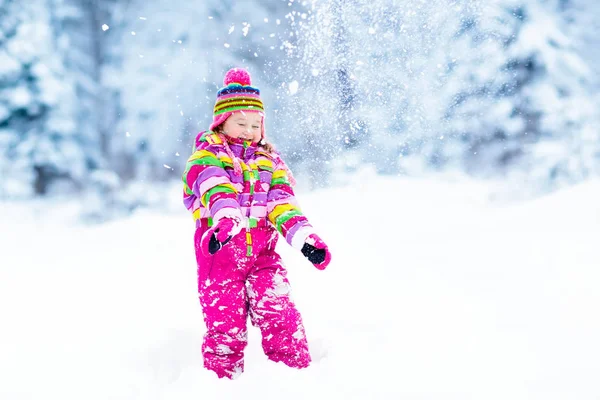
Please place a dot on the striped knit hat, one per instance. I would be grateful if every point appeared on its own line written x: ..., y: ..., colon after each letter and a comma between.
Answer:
x: 236, y: 95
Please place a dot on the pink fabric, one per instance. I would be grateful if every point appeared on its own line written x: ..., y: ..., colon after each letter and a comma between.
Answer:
x: 222, y: 230
x: 212, y: 182
x: 233, y: 286
x: 219, y: 119
x: 288, y: 171
x: 237, y: 168
x: 316, y: 241
x: 237, y: 75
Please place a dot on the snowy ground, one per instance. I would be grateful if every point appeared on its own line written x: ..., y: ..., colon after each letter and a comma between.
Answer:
x: 438, y: 295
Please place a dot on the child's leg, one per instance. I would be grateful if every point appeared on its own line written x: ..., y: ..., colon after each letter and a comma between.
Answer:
x: 222, y: 293
x: 272, y: 310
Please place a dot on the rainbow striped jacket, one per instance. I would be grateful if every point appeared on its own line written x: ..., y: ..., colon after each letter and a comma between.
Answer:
x: 213, y: 190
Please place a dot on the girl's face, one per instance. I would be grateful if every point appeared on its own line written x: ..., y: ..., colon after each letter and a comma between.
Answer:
x: 244, y: 125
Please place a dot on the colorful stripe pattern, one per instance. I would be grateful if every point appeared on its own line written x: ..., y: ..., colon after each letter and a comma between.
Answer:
x: 263, y: 191
x: 234, y: 97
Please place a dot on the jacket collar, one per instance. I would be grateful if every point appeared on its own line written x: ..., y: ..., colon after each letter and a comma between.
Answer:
x: 241, y: 148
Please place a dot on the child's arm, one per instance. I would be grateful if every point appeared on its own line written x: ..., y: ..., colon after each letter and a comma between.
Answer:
x: 283, y: 209
x: 206, y: 178
x: 285, y: 215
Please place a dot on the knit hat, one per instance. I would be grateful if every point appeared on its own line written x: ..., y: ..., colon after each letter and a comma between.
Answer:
x: 238, y: 94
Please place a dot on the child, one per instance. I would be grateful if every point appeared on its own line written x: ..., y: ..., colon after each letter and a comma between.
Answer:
x: 239, y: 191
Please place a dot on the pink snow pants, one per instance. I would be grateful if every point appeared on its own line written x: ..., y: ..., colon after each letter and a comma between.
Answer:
x: 232, y: 285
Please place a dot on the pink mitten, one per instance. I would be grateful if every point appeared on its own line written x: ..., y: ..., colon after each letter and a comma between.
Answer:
x: 218, y: 235
x: 316, y: 251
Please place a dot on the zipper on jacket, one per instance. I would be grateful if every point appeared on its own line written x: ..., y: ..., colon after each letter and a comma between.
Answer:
x: 244, y: 151
x: 253, y: 180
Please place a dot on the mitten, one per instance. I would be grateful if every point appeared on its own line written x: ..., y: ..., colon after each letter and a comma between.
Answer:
x: 316, y: 251
x: 219, y: 235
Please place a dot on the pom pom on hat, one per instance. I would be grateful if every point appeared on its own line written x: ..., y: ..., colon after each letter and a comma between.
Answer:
x: 237, y: 75
x: 237, y: 95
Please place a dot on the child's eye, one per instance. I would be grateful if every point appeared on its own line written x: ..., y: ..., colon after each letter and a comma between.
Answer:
x: 242, y: 124
x: 256, y: 127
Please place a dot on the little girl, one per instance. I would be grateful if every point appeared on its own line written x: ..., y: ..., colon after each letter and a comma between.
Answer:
x: 239, y: 191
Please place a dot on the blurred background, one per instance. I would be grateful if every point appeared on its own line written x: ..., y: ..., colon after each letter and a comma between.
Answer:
x: 102, y: 98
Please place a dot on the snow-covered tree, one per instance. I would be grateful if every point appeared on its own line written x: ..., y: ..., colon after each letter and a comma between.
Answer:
x: 114, y: 91
x: 486, y: 87
x: 517, y: 96
x: 388, y: 51
x: 583, y: 19
x: 43, y: 142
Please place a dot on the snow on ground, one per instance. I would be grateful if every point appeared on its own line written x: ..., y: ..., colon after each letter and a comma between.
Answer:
x: 437, y: 294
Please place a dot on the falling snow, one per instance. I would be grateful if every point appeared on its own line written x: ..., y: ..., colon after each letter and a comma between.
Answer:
x: 484, y: 88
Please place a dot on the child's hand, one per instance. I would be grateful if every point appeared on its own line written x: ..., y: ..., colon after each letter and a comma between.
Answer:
x: 316, y: 251
x: 219, y: 235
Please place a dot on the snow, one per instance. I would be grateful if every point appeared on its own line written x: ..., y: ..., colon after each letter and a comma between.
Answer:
x: 293, y: 86
x: 494, y: 78
x: 4, y: 113
x: 438, y: 293
x: 9, y: 67
x: 20, y: 97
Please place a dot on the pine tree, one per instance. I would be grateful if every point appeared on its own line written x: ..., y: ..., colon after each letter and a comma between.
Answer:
x: 486, y: 87
x: 386, y: 50
x: 526, y: 104
x: 40, y: 145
